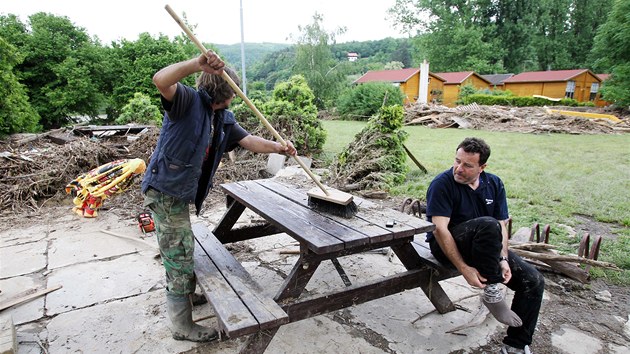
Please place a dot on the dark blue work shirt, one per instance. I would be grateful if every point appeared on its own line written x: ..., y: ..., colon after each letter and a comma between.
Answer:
x: 459, y: 202
x: 192, y: 141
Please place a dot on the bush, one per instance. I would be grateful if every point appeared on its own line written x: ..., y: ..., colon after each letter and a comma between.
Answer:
x: 518, y: 101
x: 365, y: 100
x: 291, y: 111
x: 140, y: 110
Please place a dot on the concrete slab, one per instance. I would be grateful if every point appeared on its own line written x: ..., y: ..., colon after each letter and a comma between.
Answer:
x: 26, y: 311
x: 13, y: 237
x: 21, y: 259
x: 324, y: 336
x: 87, y: 243
x: 31, y: 337
x: 132, y: 325
x: 571, y: 340
x: 91, y: 283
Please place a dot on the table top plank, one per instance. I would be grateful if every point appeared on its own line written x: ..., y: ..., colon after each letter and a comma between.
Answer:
x: 363, y: 222
x: 370, y: 219
x: 299, y: 222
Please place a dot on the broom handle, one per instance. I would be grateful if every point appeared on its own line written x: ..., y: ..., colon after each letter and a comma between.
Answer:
x: 240, y: 93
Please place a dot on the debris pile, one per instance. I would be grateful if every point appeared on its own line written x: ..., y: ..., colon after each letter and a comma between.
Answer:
x: 375, y: 160
x: 513, y: 119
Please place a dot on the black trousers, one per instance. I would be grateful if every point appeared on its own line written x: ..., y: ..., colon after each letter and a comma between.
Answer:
x: 479, y: 242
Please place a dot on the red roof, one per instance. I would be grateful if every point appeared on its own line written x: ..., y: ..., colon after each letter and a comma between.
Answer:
x: 456, y: 77
x: 401, y: 75
x: 546, y: 76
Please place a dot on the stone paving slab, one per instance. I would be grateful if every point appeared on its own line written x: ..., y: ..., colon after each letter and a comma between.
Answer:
x: 23, y: 259
x: 27, y: 311
x: 86, y: 284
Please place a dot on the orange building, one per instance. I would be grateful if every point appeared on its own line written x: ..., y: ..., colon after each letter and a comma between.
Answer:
x: 581, y: 85
x: 454, y: 82
x: 408, y: 80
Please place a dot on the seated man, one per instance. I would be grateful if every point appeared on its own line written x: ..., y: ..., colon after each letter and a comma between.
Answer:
x: 469, y: 209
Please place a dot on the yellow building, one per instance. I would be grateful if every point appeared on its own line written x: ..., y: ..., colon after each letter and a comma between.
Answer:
x: 454, y: 82
x: 409, y: 82
x: 581, y: 85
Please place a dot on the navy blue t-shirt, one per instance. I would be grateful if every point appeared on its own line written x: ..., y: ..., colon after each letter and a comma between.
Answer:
x: 459, y: 202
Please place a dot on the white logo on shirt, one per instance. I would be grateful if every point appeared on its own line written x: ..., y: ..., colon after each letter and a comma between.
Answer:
x: 489, y: 201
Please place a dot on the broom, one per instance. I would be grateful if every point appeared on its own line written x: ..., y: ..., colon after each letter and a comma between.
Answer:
x: 327, y: 200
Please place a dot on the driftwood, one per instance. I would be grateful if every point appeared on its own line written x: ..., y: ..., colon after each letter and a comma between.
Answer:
x: 26, y: 296
x: 566, y: 258
x: 543, y: 256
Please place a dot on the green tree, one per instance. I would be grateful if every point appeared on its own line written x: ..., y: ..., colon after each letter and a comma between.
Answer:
x: 274, y: 68
x: 611, y: 52
x: 138, y: 61
x: 586, y: 17
x: 141, y: 110
x: 16, y: 113
x: 60, y: 70
x: 365, y: 100
x: 453, y: 36
x: 551, y: 41
x: 314, y: 61
x: 291, y: 111
x: 514, y: 29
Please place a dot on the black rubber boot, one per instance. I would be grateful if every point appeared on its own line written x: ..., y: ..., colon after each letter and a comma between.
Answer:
x: 179, y: 309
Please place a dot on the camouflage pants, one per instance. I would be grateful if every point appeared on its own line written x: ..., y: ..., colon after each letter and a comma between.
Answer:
x: 176, y: 240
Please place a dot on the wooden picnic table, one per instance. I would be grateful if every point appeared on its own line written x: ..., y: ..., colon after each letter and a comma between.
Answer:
x: 321, y: 237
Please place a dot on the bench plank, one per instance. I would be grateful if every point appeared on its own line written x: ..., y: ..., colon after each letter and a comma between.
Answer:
x: 443, y: 272
x: 232, y: 315
x: 266, y: 311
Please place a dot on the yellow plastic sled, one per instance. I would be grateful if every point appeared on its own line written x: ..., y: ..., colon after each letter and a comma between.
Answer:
x: 92, y: 188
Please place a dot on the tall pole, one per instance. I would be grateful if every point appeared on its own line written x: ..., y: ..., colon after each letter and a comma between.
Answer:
x: 243, y: 53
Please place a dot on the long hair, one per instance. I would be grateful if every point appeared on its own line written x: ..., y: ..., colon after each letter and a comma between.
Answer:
x: 216, y: 86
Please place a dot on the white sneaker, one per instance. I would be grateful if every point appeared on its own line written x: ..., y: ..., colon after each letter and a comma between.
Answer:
x: 506, y: 349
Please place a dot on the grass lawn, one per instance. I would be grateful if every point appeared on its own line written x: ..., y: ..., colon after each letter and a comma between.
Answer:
x: 554, y: 179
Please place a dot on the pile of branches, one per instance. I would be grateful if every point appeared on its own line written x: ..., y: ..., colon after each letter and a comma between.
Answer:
x: 376, y: 159
x: 502, y: 118
x: 31, y: 175
x: 34, y: 170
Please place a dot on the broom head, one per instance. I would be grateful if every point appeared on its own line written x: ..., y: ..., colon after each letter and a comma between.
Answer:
x: 336, y: 202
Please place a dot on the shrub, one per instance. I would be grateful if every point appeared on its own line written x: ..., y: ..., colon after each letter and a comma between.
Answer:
x: 519, y: 101
x: 139, y: 109
x: 365, y: 100
x: 291, y: 111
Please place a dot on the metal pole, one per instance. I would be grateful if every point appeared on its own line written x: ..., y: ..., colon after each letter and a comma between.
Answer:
x: 243, y: 53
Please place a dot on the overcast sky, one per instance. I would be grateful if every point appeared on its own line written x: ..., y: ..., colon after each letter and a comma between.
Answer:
x: 217, y: 21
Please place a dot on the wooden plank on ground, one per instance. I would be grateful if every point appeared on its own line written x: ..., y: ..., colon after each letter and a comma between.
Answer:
x: 263, y: 308
x: 26, y: 296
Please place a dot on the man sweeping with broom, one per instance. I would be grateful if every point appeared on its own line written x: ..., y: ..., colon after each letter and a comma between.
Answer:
x: 196, y: 131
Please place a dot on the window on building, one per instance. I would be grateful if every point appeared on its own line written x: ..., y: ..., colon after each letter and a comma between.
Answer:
x: 594, y: 89
x: 570, y: 89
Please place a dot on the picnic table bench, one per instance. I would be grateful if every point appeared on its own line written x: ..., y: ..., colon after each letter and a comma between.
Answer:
x: 238, y: 301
